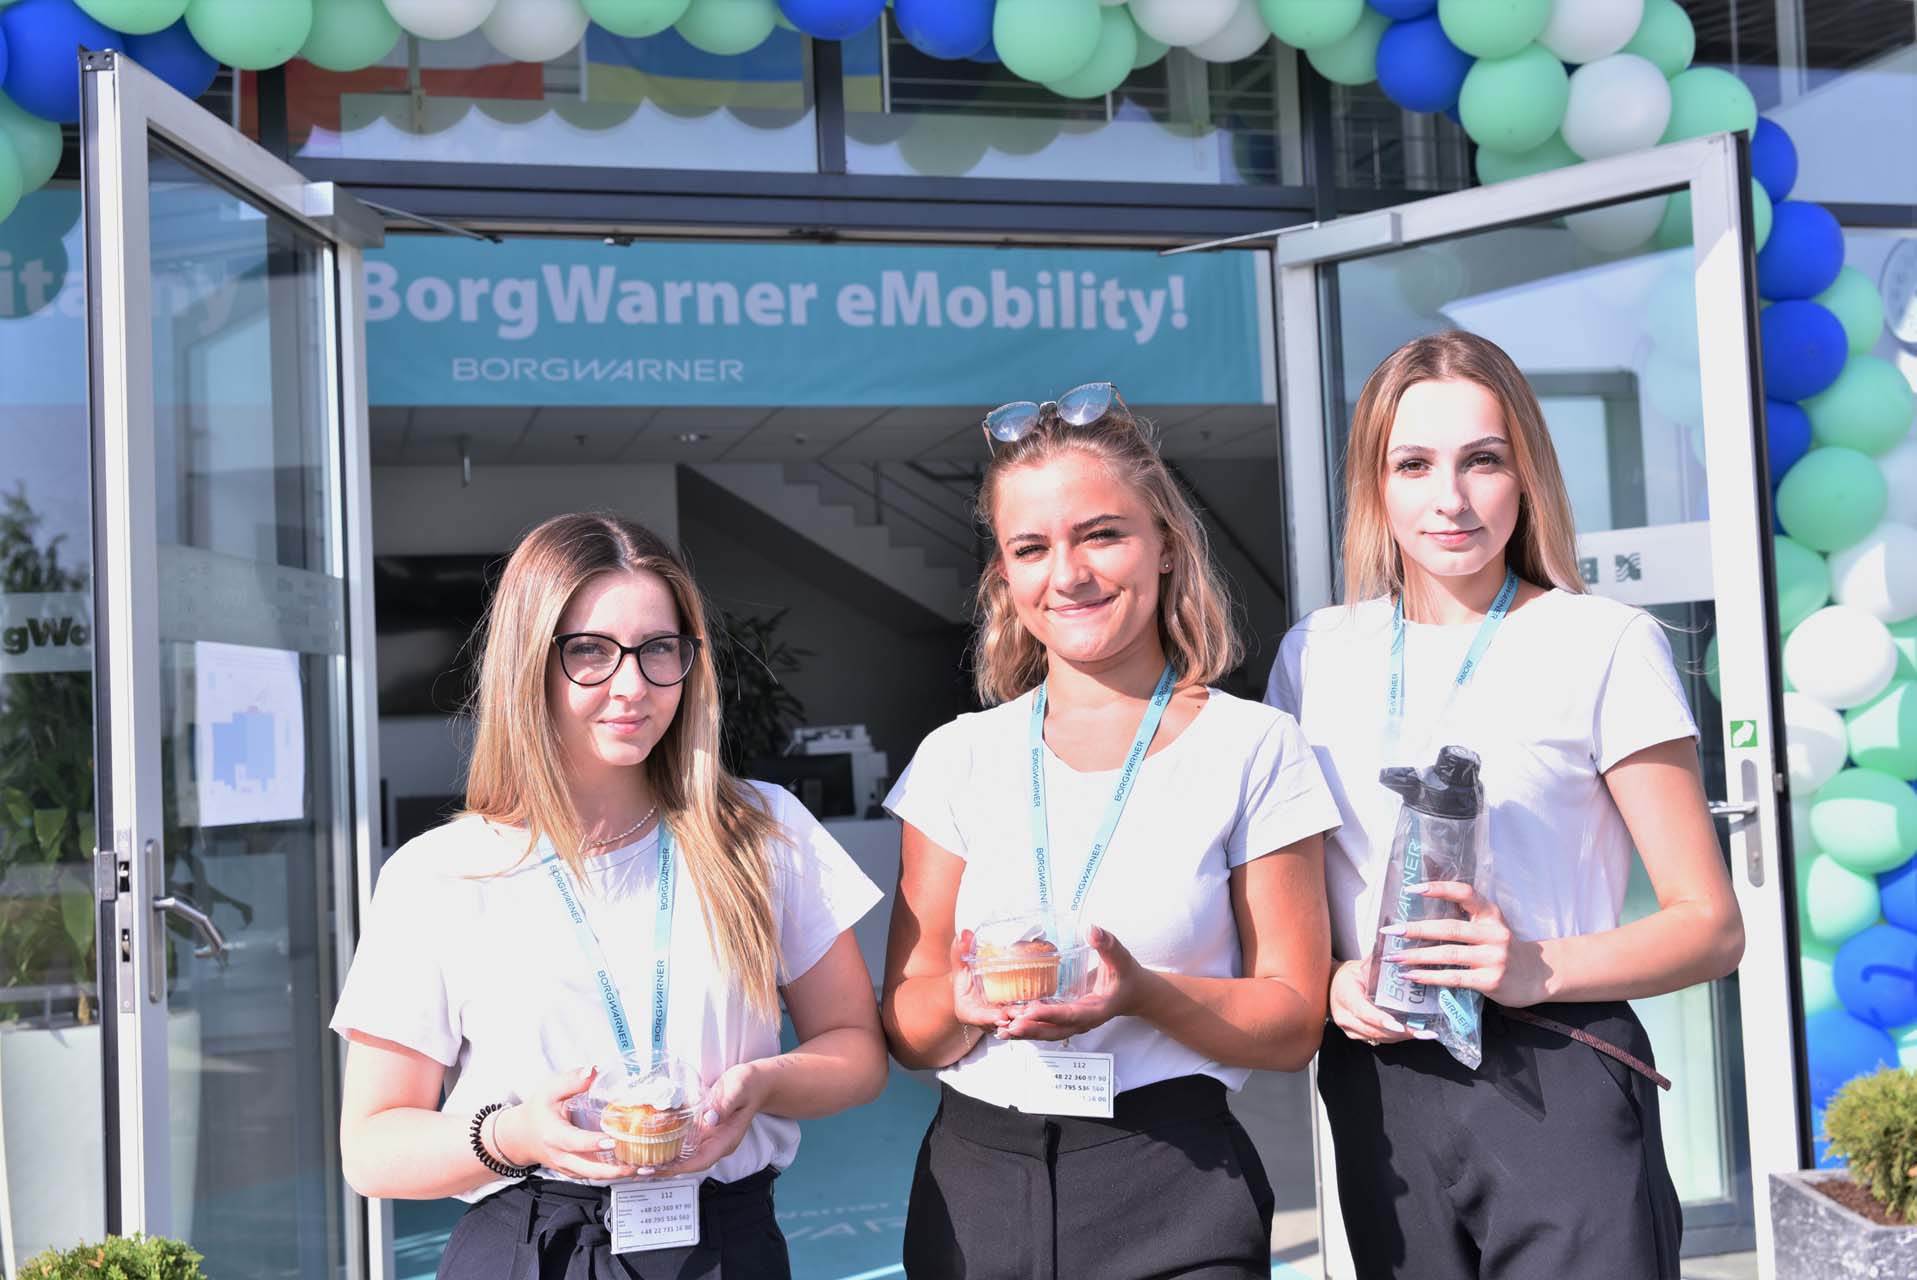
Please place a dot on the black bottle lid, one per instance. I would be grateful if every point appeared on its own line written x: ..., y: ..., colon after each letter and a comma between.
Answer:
x: 1448, y: 789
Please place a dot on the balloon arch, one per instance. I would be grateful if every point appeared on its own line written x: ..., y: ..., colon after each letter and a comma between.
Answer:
x: 1536, y: 84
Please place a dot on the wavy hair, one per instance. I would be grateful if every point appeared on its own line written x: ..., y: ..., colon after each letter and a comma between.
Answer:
x: 518, y: 772
x: 1543, y: 545
x: 1195, y: 613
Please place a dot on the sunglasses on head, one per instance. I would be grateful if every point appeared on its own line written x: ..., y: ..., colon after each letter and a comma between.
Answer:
x: 1010, y: 423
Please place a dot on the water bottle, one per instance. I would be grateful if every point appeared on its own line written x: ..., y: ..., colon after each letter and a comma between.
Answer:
x: 1437, y: 839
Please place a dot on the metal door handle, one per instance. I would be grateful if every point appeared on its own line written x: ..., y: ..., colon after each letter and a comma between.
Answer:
x: 1735, y: 810
x: 202, y: 923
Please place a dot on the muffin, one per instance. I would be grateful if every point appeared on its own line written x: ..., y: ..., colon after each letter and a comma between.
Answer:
x: 1014, y: 966
x: 648, y: 1120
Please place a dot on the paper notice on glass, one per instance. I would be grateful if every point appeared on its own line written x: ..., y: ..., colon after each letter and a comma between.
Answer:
x: 250, y: 734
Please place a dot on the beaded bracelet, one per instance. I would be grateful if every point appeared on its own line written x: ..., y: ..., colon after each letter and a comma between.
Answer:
x: 486, y: 1157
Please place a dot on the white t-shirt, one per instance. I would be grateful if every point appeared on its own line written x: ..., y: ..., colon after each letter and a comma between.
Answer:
x: 1570, y: 685
x: 483, y: 972
x: 1238, y: 783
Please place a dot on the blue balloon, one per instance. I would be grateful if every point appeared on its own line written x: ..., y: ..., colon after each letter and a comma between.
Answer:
x: 1897, y: 892
x: 1803, y: 255
x: 1404, y: 10
x: 1804, y: 349
x: 1790, y: 435
x: 831, y: 19
x: 944, y: 28
x: 3, y: 57
x: 1875, y: 974
x: 1418, y: 68
x: 44, y: 39
x: 987, y: 52
x: 1820, y: 1147
x: 1773, y: 160
x: 1841, y: 1049
x: 175, y: 56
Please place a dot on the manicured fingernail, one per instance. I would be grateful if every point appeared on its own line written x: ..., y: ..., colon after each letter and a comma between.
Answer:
x: 1393, y: 1023
x: 1394, y: 930
x: 712, y: 1117
x: 605, y: 1144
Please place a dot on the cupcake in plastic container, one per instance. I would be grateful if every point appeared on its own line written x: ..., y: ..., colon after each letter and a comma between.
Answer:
x: 1014, y: 960
x: 648, y: 1112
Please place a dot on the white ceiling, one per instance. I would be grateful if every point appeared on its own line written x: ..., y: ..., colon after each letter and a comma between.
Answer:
x: 498, y: 434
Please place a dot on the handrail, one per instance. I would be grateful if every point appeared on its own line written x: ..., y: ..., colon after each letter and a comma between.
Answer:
x: 967, y: 548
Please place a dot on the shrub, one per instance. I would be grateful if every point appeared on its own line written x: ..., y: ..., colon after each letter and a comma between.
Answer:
x: 1872, y: 1123
x: 135, y: 1257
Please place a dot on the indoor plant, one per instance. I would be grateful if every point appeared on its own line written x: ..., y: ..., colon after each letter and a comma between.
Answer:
x: 1860, y: 1220
x: 759, y: 710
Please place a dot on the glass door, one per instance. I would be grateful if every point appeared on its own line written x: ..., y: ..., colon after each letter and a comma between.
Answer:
x: 1642, y: 358
x: 234, y: 673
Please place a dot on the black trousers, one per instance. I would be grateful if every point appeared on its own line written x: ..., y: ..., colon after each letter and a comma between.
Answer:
x: 542, y: 1229
x: 1170, y: 1186
x: 1545, y: 1162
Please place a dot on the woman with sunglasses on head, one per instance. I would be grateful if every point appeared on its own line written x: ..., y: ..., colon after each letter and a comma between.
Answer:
x: 1466, y: 624
x: 1109, y: 797
x: 606, y: 862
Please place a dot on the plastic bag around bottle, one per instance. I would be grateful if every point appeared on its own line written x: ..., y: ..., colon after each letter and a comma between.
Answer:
x: 1442, y: 833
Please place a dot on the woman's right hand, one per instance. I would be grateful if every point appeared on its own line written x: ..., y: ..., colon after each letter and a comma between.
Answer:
x: 537, y: 1132
x: 1353, y: 1012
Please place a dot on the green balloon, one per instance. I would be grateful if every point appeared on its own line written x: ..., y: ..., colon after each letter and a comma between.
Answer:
x: 1354, y: 59
x: 1883, y: 732
x: 1046, y: 40
x: 1499, y: 166
x: 1674, y: 232
x: 727, y: 28
x: 1803, y: 582
x: 1709, y: 100
x: 1814, y: 966
x: 250, y: 34
x: 134, y: 17
x: 1515, y: 103
x: 1311, y: 24
x: 11, y: 187
x: 1712, y: 676
x: 1854, y: 300
x: 1903, y: 637
x: 1831, y: 498
x: 1838, y: 902
x: 636, y: 18
x: 1665, y: 37
x: 1110, y: 62
x: 37, y: 143
x: 350, y: 35
x: 1150, y: 50
x: 1866, y: 820
x: 1493, y: 28
x: 1869, y: 408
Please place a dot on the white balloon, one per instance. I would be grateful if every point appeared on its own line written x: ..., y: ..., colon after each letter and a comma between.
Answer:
x: 536, y: 30
x: 1840, y: 656
x: 1618, y: 228
x: 1586, y: 30
x: 1815, y: 743
x: 1670, y: 312
x: 1879, y: 574
x: 1899, y: 465
x: 1618, y: 104
x: 1183, y: 22
x: 440, y: 19
x: 1243, y: 36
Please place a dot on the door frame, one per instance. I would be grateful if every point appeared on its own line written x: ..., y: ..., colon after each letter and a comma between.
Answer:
x: 1715, y: 171
x: 123, y: 111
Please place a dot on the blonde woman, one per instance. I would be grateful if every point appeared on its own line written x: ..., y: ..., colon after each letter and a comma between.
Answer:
x: 1090, y: 1136
x: 505, y: 948
x: 1463, y: 595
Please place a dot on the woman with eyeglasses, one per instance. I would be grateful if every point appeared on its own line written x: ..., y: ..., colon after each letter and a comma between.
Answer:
x: 1466, y: 623
x: 611, y: 897
x: 1111, y: 802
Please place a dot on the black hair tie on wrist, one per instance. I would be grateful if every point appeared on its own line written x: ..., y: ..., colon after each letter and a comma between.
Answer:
x: 486, y: 1157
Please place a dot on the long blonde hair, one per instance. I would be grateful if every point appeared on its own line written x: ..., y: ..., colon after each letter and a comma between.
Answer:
x: 1195, y: 623
x: 518, y: 772
x: 1543, y: 546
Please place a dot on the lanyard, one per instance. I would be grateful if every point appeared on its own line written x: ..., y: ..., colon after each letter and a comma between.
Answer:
x: 1041, y: 825
x: 596, y: 955
x: 1394, y: 681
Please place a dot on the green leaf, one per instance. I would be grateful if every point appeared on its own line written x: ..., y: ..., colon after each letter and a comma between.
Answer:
x: 76, y: 913
x: 19, y: 807
x: 49, y: 826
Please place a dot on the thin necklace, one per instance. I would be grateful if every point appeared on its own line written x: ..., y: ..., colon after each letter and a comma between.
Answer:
x: 600, y: 844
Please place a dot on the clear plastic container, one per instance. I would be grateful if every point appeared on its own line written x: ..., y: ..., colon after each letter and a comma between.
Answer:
x: 1017, y: 959
x: 650, y: 1113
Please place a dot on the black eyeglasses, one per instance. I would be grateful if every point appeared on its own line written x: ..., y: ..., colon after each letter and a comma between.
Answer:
x: 1082, y: 405
x: 589, y: 658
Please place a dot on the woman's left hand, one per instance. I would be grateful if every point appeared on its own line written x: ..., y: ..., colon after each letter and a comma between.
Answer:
x: 1115, y: 981
x: 725, y: 1113
x: 1479, y: 952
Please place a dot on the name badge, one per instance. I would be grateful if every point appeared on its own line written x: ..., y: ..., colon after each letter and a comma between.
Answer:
x: 654, y: 1215
x: 1063, y: 1083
